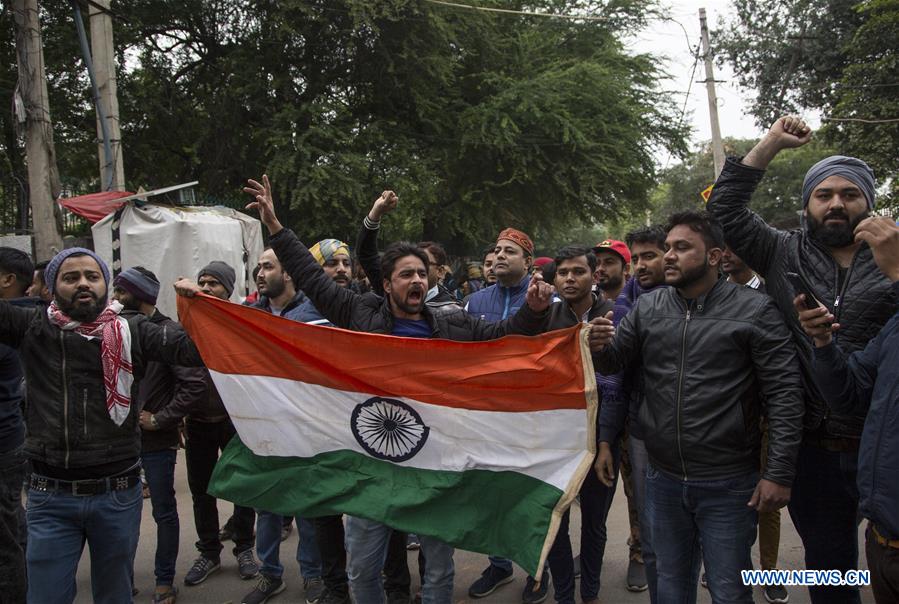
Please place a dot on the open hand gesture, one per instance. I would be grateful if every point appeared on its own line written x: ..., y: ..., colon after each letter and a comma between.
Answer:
x: 264, y: 203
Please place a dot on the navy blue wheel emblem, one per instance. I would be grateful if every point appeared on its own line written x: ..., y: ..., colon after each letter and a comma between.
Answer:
x: 388, y: 429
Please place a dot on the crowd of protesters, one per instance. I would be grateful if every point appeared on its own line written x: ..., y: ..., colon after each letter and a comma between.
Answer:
x: 741, y: 369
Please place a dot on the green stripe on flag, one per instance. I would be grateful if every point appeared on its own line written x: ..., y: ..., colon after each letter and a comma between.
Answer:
x: 498, y: 513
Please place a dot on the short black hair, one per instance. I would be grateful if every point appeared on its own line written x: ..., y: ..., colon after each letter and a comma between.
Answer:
x: 654, y: 235
x: 700, y: 222
x: 490, y: 249
x: 18, y: 263
x: 398, y: 250
x: 436, y: 250
x: 575, y: 251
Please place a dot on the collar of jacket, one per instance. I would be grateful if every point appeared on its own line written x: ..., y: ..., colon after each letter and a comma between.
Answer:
x: 522, y: 285
x: 265, y: 303
x: 700, y: 303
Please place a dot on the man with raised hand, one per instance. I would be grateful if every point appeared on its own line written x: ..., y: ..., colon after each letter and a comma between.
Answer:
x: 713, y: 353
x: 837, y: 194
x: 866, y: 382
x: 401, y: 312
x: 165, y: 396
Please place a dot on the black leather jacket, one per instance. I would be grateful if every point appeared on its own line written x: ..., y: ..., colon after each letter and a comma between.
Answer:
x: 67, y: 423
x: 708, y: 365
x: 862, y: 305
x: 371, y: 313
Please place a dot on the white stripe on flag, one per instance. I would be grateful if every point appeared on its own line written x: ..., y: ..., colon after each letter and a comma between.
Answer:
x: 287, y: 418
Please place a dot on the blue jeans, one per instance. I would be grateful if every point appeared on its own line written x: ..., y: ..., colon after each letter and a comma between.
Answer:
x: 268, y: 546
x: 706, y: 519
x: 824, y: 508
x: 596, y: 499
x: 639, y: 462
x: 59, y: 524
x: 12, y: 556
x: 366, y: 542
x: 159, y: 470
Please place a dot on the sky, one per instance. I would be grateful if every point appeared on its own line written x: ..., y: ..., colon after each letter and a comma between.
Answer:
x: 667, y: 39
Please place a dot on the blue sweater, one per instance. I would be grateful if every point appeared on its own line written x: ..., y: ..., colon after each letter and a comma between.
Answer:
x: 869, y: 380
x: 496, y: 302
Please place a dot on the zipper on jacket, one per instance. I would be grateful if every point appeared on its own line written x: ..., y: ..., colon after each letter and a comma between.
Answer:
x: 507, y: 302
x: 65, y: 396
x: 842, y: 290
x: 84, y: 407
x: 680, y: 388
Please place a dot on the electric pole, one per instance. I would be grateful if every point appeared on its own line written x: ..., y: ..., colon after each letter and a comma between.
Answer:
x: 112, y: 170
x: 717, y: 144
x: 43, y: 177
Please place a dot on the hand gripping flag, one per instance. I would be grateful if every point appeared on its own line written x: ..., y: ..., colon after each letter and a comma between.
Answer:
x: 482, y: 445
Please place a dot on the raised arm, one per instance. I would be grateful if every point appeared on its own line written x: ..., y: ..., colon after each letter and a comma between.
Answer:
x: 746, y: 232
x: 335, y: 303
x: 367, y: 240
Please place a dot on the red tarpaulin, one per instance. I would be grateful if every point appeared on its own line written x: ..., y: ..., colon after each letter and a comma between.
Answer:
x: 95, y: 206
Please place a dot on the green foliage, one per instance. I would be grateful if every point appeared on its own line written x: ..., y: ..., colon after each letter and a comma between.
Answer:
x: 777, y: 198
x: 839, y: 57
x: 477, y: 120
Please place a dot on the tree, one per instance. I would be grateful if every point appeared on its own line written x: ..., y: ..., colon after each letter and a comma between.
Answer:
x: 478, y: 120
x: 777, y: 199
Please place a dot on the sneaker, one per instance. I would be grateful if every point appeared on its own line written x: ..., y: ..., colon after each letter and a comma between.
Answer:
x: 636, y: 576
x: 333, y: 597
x: 313, y: 589
x: 266, y: 588
x: 412, y: 542
x: 535, y: 596
x: 577, y: 566
x: 247, y: 567
x: 490, y: 579
x: 200, y: 570
x: 776, y: 594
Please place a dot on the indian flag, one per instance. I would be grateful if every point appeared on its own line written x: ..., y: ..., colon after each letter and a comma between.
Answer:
x: 482, y: 445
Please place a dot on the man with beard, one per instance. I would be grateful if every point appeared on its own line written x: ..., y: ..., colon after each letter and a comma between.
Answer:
x: 837, y: 194
x: 166, y: 394
x: 713, y: 351
x: 621, y: 395
x: 438, y: 297
x: 83, y: 362
x: 401, y: 312
x: 278, y: 296
x: 574, y: 270
x: 487, y: 266
x: 613, y: 260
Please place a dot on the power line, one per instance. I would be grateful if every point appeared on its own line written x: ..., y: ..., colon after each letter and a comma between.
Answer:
x: 687, y: 97
x: 859, y: 119
x: 508, y: 11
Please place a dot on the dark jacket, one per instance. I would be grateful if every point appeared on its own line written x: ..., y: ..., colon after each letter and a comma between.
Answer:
x: 867, y: 382
x: 367, y: 252
x: 708, y: 364
x: 12, y: 389
x: 169, y: 392
x: 622, y: 392
x: 291, y: 311
x: 862, y: 305
x: 497, y: 302
x: 67, y: 423
x: 372, y: 314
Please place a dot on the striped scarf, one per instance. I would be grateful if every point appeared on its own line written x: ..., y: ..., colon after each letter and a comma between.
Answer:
x: 115, y: 353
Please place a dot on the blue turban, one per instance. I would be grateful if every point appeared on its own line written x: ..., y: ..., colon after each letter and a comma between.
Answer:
x: 850, y: 168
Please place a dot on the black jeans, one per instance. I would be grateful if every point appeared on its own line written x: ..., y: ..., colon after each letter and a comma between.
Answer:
x: 204, y: 441
x: 12, y: 557
x: 329, y: 538
x: 883, y: 562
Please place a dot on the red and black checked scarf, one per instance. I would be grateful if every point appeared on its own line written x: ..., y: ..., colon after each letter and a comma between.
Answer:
x: 115, y: 353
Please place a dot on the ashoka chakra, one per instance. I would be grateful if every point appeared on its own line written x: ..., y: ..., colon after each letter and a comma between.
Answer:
x: 388, y: 429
